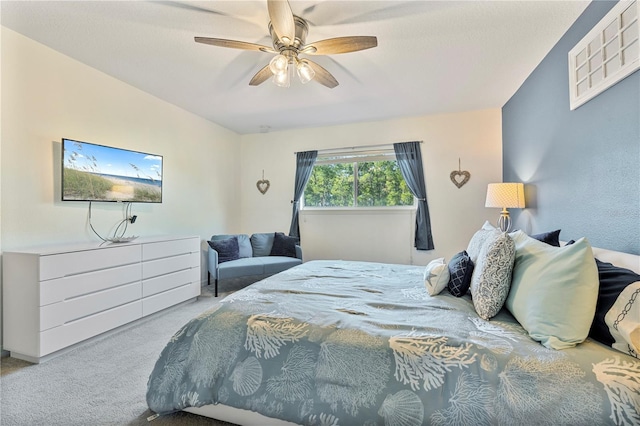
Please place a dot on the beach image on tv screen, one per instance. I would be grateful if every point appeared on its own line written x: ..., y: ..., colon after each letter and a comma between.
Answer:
x: 100, y: 173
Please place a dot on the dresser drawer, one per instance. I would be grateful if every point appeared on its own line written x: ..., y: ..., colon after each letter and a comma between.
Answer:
x: 80, y: 307
x: 161, y: 301
x: 60, y: 289
x: 65, y: 264
x: 167, y: 282
x: 57, y: 296
x: 154, y: 268
x: 163, y: 249
x: 60, y: 337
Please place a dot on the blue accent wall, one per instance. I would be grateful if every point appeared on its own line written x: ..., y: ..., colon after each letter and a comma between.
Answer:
x: 581, y: 168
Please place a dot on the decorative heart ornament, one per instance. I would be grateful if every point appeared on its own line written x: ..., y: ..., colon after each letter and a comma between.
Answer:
x: 263, y: 185
x: 459, y: 178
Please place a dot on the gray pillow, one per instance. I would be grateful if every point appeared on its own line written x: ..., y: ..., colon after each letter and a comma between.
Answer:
x: 262, y: 243
x: 491, y: 279
x: 284, y: 245
x: 244, y: 246
x: 227, y: 248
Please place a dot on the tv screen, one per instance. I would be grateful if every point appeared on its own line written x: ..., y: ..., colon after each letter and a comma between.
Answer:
x: 93, y: 172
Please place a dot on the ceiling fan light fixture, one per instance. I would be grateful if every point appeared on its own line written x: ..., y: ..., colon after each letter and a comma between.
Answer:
x: 282, y: 79
x: 288, y: 35
x: 305, y: 72
x: 279, y: 65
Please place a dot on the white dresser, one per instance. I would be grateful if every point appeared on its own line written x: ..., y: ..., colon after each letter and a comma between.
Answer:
x: 54, y: 297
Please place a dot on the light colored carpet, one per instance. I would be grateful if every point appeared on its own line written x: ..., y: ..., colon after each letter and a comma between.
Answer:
x: 103, y: 381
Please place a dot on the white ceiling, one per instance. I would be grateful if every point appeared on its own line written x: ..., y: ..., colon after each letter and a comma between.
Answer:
x: 432, y: 56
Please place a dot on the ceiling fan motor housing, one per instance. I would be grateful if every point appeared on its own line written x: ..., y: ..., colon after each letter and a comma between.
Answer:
x: 302, y: 28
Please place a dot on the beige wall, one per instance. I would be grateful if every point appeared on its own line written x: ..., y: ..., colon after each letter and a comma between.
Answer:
x: 47, y: 96
x: 474, y: 137
x: 210, y: 172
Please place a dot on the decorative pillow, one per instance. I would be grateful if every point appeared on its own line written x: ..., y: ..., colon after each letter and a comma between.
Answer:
x: 262, y: 243
x: 244, y: 246
x: 552, y: 237
x: 554, y: 290
x: 623, y: 320
x: 491, y: 277
x: 460, y: 270
x: 227, y: 249
x: 613, y: 281
x: 436, y: 276
x: 283, y: 245
x: 479, y: 239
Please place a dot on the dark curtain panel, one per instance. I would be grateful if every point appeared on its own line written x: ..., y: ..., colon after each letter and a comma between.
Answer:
x: 304, y: 166
x: 410, y: 161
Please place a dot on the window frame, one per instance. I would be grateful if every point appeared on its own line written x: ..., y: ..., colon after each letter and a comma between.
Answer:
x: 354, y: 156
x: 605, y: 55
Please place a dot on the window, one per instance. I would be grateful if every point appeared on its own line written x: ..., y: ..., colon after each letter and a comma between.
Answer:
x: 606, y: 55
x: 357, y: 179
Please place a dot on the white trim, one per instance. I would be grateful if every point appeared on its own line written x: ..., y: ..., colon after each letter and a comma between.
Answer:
x: 606, y: 55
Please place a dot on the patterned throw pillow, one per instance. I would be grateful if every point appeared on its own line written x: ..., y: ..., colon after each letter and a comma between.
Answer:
x: 623, y: 320
x: 479, y: 239
x: 460, y: 270
x: 491, y: 278
x: 614, y: 280
x: 227, y: 249
x: 436, y: 276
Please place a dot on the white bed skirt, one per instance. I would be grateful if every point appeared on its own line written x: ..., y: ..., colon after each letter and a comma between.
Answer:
x: 236, y: 415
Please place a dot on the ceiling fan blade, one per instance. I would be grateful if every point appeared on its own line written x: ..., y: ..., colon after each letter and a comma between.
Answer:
x: 234, y: 44
x: 261, y: 76
x: 282, y: 20
x: 323, y: 76
x: 332, y: 46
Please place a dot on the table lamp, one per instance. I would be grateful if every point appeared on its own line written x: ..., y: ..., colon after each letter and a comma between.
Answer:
x: 505, y: 196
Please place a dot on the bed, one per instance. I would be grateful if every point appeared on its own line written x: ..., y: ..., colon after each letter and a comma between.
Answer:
x: 362, y: 343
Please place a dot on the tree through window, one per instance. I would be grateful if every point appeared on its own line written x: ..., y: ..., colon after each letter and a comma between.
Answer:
x: 357, y: 179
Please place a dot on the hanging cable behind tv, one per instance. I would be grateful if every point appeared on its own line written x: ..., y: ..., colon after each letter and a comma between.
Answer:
x: 118, y: 236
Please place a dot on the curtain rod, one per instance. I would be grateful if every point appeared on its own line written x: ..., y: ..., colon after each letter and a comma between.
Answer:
x: 356, y: 147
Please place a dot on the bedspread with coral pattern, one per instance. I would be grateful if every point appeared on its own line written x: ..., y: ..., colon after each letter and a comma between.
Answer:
x: 360, y: 343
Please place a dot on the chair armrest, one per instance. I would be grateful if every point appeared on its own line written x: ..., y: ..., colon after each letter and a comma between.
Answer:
x: 298, y: 252
x: 212, y: 262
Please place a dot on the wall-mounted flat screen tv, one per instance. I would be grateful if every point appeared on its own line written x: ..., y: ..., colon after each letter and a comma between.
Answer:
x: 93, y: 172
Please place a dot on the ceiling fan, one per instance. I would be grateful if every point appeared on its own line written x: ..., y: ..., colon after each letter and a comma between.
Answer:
x: 288, y: 33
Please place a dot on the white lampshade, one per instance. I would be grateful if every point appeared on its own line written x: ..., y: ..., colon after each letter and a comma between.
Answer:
x: 505, y: 195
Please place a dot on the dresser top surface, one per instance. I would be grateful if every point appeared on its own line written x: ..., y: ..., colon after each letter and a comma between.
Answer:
x: 93, y: 245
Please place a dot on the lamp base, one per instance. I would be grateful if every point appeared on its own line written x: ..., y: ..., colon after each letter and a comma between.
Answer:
x: 504, y: 221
